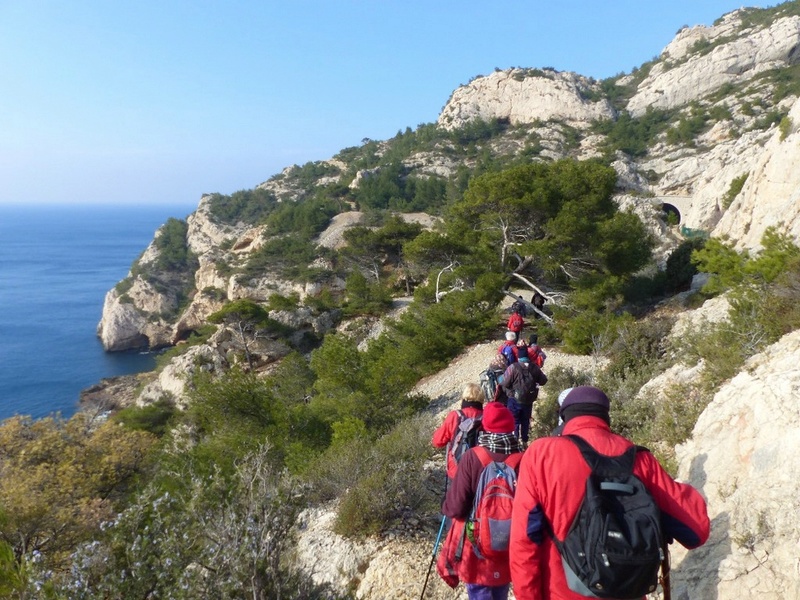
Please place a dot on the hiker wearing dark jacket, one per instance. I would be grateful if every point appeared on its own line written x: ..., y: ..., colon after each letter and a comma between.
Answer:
x: 551, y: 487
x: 485, y: 578
x: 515, y: 384
x: 471, y: 407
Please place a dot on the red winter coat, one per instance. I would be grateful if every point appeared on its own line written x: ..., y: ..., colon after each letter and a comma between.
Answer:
x: 551, y: 486
x: 469, y: 568
x: 515, y: 323
x: 444, y: 435
x: 536, y: 355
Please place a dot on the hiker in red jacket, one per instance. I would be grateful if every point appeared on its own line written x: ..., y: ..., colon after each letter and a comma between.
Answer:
x: 471, y: 407
x: 485, y: 578
x: 515, y: 324
x: 552, y: 484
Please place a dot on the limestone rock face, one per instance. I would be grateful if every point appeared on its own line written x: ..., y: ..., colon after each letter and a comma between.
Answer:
x: 690, y: 37
x: 171, y: 380
x: 665, y: 240
x: 737, y: 60
x: 124, y: 327
x: 121, y: 325
x: 204, y: 235
x: 771, y: 195
x: 133, y: 318
x: 705, y: 177
x: 744, y: 456
x: 523, y: 98
x: 196, y: 315
x: 345, y: 559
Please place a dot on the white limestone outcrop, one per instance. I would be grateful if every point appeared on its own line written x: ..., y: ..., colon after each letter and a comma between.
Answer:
x: 744, y: 456
x: 771, y: 194
x: 731, y: 62
x: 520, y: 97
x: 121, y: 326
x: 205, y: 235
x: 171, y: 381
x: 132, y: 321
x: 705, y: 176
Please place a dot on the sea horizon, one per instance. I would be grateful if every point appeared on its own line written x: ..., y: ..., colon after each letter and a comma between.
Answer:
x: 57, y: 262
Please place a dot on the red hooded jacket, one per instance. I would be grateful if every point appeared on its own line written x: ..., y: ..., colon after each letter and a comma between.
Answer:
x: 550, y: 489
x: 443, y: 436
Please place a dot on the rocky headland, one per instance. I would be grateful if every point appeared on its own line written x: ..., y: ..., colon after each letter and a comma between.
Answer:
x: 743, y: 450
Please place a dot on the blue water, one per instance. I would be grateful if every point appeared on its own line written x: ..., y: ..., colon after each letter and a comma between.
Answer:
x: 56, y: 265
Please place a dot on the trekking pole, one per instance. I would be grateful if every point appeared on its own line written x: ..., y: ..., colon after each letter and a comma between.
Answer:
x: 665, y: 585
x: 438, y: 537
x: 433, y: 557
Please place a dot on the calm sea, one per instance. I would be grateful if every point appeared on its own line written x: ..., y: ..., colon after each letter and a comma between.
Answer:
x: 56, y: 265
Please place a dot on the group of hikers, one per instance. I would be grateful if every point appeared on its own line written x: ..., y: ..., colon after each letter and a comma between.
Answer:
x: 580, y: 513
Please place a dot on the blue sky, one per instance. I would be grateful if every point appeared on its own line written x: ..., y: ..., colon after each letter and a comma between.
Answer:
x: 158, y: 102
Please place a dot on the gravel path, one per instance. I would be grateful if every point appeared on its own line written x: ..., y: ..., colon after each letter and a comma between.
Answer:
x: 445, y: 386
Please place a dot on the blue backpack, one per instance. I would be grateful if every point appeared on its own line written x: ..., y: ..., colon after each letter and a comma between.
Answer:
x: 508, y: 353
x: 489, y: 525
x: 466, y: 435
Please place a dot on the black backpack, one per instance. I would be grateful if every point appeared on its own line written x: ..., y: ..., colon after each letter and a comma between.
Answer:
x: 614, y: 547
x: 488, y: 382
x: 527, y: 391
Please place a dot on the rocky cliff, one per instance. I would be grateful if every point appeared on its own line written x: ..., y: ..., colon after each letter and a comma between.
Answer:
x: 527, y: 96
x: 743, y: 456
x: 731, y: 77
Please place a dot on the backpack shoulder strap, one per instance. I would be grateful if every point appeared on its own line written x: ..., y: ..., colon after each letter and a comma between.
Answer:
x: 605, y: 465
x: 513, y: 460
x: 483, y: 454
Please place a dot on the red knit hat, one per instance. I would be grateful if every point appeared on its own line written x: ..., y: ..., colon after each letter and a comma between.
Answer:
x: 497, y: 418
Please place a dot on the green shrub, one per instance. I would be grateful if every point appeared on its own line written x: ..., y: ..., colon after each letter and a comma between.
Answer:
x: 173, y: 249
x: 638, y: 346
x: 324, y: 301
x: 288, y: 256
x: 244, y: 206
x: 124, y: 286
x: 733, y: 190
x: 680, y: 270
x: 214, y: 293
x: 546, y: 407
x: 154, y: 418
x: 280, y: 302
x: 304, y: 218
x: 633, y: 135
x: 365, y: 298
x: 770, y: 118
x: 392, y: 482
x: 243, y: 524
x: 688, y: 127
x: 674, y: 419
x: 785, y: 127
x: 590, y: 331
